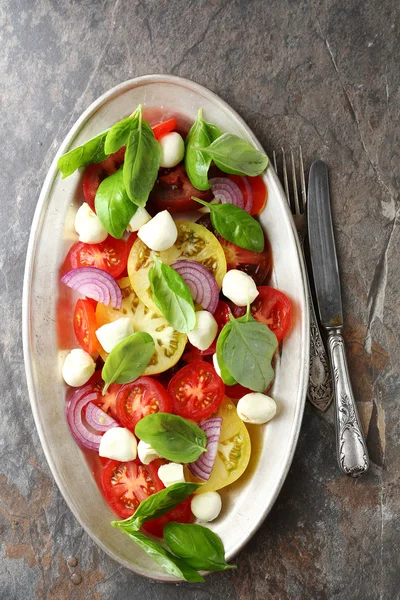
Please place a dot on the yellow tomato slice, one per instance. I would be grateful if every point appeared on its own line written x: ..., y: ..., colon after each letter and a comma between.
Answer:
x: 169, y: 343
x: 194, y: 242
x: 234, y: 451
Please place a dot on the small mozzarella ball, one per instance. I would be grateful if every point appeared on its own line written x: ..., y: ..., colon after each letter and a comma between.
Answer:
x: 171, y: 473
x: 78, y: 367
x: 239, y: 287
x: 118, y: 443
x: 204, y: 332
x: 146, y: 453
x: 256, y: 408
x: 140, y: 218
x: 216, y: 365
x: 111, y: 334
x: 172, y: 149
x: 88, y: 226
x: 160, y: 232
x: 206, y: 507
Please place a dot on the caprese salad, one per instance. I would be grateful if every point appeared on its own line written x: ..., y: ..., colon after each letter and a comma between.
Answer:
x: 175, y: 326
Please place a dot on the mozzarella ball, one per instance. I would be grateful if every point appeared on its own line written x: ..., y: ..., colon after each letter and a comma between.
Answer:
x: 140, y: 218
x: 88, y: 226
x: 216, y: 365
x: 118, y: 443
x: 78, y: 367
x: 146, y: 453
x: 239, y: 287
x: 171, y: 473
x: 111, y: 334
x: 172, y: 149
x: 204, y: 332
x: 206, y: 507
x: 160, y: 232
x: 256, y: 408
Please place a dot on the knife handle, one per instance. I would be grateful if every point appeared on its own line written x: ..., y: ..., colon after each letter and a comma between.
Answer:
x: 351, y: 447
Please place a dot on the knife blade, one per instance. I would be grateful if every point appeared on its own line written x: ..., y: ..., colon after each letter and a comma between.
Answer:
x: 352, y: 451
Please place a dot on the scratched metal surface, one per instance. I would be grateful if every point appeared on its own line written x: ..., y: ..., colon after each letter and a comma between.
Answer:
x: 323, y: 73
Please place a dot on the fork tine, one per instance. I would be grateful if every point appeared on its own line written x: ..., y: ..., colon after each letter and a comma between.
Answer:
x: 302, y: 181
x: 285, y: 177
x: 274, y: 158
x: 294, y: 182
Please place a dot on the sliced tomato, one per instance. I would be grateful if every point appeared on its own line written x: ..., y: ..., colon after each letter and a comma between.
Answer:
x: 196, y: 391
x: 94, y: 175
x: 145, y: 396
x: 180, y: 514
x: 85, y: 326
x: 173, y: 191
x: 126, y: 485
x: 161, y: 129
x: 108, y: 402
x: 236, y: 391
x: 110, y: 256
x: 271, y: 307
x: 129, y: 243
x: 258, y: 188
x: 256, y: 264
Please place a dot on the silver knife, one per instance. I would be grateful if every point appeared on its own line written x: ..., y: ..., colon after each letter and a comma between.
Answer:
x: 352, y: 451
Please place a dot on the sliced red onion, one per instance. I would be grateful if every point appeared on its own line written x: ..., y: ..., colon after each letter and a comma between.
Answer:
x: 98, y: 419
x: 200, y: 281
x: 227, y: 191
x: 203, y: 466
x: 94, y: 283
x: 249, y: 202
x: 84, y: 433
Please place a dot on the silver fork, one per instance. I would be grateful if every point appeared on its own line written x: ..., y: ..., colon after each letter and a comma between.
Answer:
x: 320, y: 392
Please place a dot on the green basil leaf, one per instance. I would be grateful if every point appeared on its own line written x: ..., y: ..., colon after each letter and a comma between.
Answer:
x: 225, y: 375
x: 113, y: 206
x: 170, y: 563
x: 197, y: 163
x: 127, y: 361
x: 172, y: 437
x: 233, y: 155
x: 248, y: 351
x: 118, y: 135
x: 236, y: 225
x: 198, y: 546
x: 142, y: 161
x: 90, y: 152
x: 157, y: 505
x: 172, y: 296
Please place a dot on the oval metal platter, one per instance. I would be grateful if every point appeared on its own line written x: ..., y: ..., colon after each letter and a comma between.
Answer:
x: 246, y: 503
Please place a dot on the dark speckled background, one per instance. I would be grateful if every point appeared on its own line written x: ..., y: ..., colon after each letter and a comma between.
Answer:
x: 323, y: 73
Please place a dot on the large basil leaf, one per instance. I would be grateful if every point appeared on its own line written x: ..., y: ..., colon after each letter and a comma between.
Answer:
x: 127, y: 361
x: 118, y: 135
x: 170, y: 563
x: 90, y: 152
x: 198, y: 546
x: 197, y: 163
x: 157, y: 505
x: 113, y: 206
x: 248, y: 351
x: 172, y: 296
x: 225, y: 375
x: 233, y: 155
x: 142, y: 161
x: 236, y: 225
x: 172, y: 437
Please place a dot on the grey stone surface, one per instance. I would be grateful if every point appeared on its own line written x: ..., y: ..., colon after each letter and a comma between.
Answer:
x: 323, y: 73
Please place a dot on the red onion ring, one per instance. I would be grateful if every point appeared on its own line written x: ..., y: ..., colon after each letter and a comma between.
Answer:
x: 200, y: 281
x: 203, y: 466
x: 94, y: 283
x: 84, y: 433
x: 249, y: 202
x: 227, y: 191
x: 98, y: 419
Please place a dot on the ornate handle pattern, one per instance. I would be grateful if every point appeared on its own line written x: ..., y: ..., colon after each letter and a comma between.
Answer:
x: 351, y: 448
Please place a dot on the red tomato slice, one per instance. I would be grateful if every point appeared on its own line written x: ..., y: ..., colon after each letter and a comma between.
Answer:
x: 258, y: 188
x: 94, y: 175
x: 256, y: 264
x: 236, y: 391
x: 271, y: 307
x: 110, y: 256
x: 180, y: 514
x: 126, y: 485
x: 109, y: 400
x: 163, y: 128
x: 173, y: 191
x: 196, y: 391
x: 85, y: 326
x: 145, y: 396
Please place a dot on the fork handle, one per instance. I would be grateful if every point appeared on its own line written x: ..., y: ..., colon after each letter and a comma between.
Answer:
x: 352, y: 451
